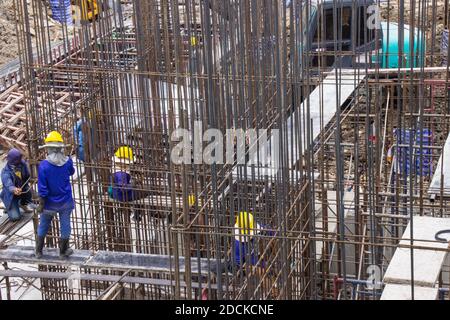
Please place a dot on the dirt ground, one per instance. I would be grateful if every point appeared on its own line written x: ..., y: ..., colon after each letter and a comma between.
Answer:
x: 8, y: 42
x: 433, y: 44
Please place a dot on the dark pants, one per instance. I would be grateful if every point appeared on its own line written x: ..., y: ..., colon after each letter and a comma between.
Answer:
x: 136, y: 195
x: 14, y: 213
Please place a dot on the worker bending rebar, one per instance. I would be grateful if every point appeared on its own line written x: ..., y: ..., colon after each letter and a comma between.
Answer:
x: 16, y: 193
x: 55, y: 192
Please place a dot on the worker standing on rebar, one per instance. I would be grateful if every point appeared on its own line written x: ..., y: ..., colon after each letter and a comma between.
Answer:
x: 55, y: 192
x: 16, y: 193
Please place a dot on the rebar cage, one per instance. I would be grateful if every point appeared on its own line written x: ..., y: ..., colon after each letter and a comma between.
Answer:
x: 134, y: 72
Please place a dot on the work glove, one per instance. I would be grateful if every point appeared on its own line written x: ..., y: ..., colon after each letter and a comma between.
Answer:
x: 41, y: 203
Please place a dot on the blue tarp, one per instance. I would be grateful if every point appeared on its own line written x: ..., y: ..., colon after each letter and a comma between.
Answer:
x: 420, y: 157
x: 61, y: 11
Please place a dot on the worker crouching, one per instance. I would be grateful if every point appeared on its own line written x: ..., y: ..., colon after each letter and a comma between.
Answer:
x: 122, y: 187
x: 245, y: 250
x: 55, y: 192
x: 16, y: 193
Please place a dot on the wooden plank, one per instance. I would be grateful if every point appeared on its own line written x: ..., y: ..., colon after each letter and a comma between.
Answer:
x: 9, y: 228
x: 13, y: 142
x: 18, y: 115
x: 64, y: 97
x: 11, y: 104
x: 150, y: 201
x: 8, y: 91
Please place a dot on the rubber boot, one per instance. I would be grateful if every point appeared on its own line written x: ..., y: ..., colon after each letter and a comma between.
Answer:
x: 64, y: 250
x: 39, y: 246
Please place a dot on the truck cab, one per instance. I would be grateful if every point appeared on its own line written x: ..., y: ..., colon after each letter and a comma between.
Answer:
x: 349, y: 33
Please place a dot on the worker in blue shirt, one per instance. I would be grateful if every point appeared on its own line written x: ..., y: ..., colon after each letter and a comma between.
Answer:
x: 122, y: 188
x: 244, y: 247
x: 79, y: 141
x: 248, y: 238
x: 55, y: 192
x: 16, y: 193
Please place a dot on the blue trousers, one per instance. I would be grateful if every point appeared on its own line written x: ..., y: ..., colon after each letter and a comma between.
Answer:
x: 242, y: 249
x: 64, y: 221
x: 14, y: 213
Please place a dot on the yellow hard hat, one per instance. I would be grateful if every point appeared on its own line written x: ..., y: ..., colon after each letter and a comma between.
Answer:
x: 124, y: 154
x: 245, y: 222
x: 54, y: 137
x: 191, y: 200
x: 193, y: 41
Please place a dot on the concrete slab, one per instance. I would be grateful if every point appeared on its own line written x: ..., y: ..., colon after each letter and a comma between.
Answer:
x: 323, y: 102
x: 442, y: 173
x: 427, y: 262
x: 349, y: 199
x: 403, y: 292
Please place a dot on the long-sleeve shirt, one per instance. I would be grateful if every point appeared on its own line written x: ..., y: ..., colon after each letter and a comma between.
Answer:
x: 78, y: 134
x: 54, y: 184
x: 122, y: 189
x: 12, y: 178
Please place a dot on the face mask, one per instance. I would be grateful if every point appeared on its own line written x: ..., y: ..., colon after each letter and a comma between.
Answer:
x: 15, y: 165
x: 56, y: 157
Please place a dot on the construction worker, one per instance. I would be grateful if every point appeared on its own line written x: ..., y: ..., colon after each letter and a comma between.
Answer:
x: 246, y: 248
x: 390, y: 155
x: 122, y: 188
x: 16, y: 191
x: 244, y: 230
x: 55, y: 192
x: 79, y: 141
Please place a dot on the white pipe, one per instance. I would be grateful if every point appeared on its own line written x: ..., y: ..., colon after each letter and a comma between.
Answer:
x: 384, y: 132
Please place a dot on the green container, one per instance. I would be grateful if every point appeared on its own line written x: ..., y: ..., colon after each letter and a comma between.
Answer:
x: 389, y: 54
